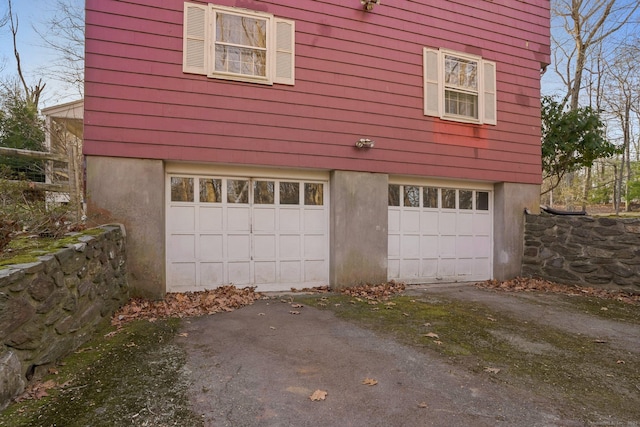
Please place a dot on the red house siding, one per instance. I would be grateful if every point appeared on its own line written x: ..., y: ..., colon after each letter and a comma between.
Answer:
x: 358, y: 74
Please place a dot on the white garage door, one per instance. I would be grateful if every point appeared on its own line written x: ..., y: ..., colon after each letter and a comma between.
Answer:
x: 268, y: 233
x: 439, y: 234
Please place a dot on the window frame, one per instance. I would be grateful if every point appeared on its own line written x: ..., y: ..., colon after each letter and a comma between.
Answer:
x: 199, y: 44
x: 435, y: 88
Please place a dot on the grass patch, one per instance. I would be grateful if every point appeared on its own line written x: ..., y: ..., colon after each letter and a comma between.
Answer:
x: 25, y: 249
x: 594, y: 380
x: 133, y: 378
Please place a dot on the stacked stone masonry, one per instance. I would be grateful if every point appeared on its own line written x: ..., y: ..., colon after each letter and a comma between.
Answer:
x: 583, y: 250
x: 50, y: 307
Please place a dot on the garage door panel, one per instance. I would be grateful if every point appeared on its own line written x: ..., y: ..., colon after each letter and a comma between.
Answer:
x: 465, y: 247
x: 393, y: 245
x: 394, y: 220
x: 314, y: 220
x: 482, y: 245
x: 447, y: 268
x: 211, y: 274
x: 410, y: 268
x: 210, y: 218
x: 447, y: 222
x: 464, y: 267
x: 411, y: 246
x: 314, y: 271
x: 464, y: 224
x: 182, y: 218
x: 265, y: 272
x: 429, y: 267
x: 314, y: 246
x: 393, y: 268
x: 264, y: 246
x: 238, y: 246
x: 267, y: 232
x: 482, y: 224
x: 429, y: 246
x: 290, y: 271
x: 454, y: 237
x: 182, y: 247
x: 429, y: 222
x: 410, y: 221
x: 289, y: 219
x: 237, y: 219
x: 447, y: 246
x: 264, y: 219
x: 183, y: 275
x: 481, y: 267
x: 289, y: 246
x: 211, y: 246
x: 239, y: 273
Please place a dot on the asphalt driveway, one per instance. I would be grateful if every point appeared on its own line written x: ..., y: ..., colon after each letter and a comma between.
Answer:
x: 258, y: 366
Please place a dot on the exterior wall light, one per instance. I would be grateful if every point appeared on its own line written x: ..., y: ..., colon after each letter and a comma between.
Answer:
x: 368, y: 4
x: 365, y: 143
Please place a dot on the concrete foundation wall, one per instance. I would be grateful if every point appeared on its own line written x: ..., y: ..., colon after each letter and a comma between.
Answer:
x: 359, y: 234
x: 131, y: 192
x: 510, y: 202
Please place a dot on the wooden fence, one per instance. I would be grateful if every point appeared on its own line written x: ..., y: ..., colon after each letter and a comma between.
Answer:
x: 73, y: 186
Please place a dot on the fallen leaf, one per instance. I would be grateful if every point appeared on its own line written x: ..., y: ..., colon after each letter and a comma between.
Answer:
x: 318, y: 395
x: 369, y: 381
x: 431, y: 335
x: 492, y: 370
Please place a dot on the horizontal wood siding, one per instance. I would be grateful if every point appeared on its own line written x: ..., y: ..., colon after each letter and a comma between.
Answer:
x: 358, y: 75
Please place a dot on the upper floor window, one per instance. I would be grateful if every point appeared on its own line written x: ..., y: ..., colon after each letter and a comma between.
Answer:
x: 238, y: 44
x: 459, y: 87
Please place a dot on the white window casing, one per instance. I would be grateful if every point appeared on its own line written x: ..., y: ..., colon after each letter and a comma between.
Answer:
x: 434, y: 87
x: 199, y: 46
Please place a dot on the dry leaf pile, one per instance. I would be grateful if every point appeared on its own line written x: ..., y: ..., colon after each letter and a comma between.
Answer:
x: 375, y: 292
x: 524, y: 284
x: 224, y: 298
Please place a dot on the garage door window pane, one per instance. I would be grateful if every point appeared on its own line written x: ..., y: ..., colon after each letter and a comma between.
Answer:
x: 237, y: 191
x: 430, y: 197
x: 394, y: 195
x: 210, y: 190
x: 448, y: 198
x: 411, y: 196
x: 263, y: 192
x: 313, y: 194
x: 482, y: 201
x: 181, y: 189
x: 466, y: 199
x: 289, y: 193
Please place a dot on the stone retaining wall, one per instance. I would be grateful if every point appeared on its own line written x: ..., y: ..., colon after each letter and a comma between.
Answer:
x: 50, y: 307
x: 583, y: 250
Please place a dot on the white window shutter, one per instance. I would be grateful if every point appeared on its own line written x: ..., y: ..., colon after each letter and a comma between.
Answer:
x: 285, y: 51
x: 194, y: 39
x: 431, y: 83
x: 489, y: 115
